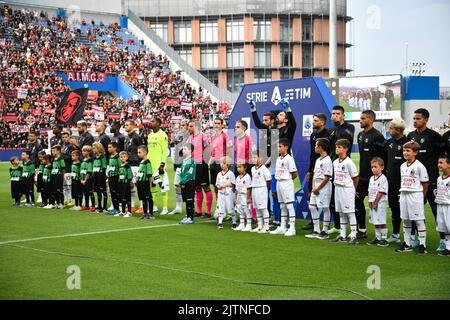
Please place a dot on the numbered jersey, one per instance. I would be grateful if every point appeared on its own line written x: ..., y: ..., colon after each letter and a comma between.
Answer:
x: 323, y: 168
x: 376, y: 186
x: 260, y: 176
x: 226, y: 178
x: 412, y: 176
x: 243, y: 184
x: 284, y: 167
x: 443, y: 190
x: 344, y: 172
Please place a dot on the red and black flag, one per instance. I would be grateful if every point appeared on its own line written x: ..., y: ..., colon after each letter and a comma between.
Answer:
x: 71, y: 106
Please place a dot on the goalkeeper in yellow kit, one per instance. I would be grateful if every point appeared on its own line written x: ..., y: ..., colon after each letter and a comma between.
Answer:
x: 158, y: 147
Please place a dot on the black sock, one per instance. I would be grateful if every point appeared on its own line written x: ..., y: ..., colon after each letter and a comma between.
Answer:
x: 144, y: 205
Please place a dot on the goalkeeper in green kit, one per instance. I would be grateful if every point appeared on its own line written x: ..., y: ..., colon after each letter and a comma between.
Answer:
x: 158, y: 146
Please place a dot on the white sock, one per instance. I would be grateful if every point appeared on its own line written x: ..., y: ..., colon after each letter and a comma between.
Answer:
x: 220, y: 218
x: 377, y: 233
x: 179, y: 199
x: 407, y: 232
x: 260, y: 215
x: 233, y: 217
x: 290, y: 207
x: 343, y: 220
x: 140, y: 204
x: 266, y: 218
x: 353, y: 224
x: 133, y: 196
x: 383, y: 233
x: 326, y: 219
x: 283, y: 215
x: 447, y: 241
x: 242, y: 219
x: 248, y: 214
x: 422, y: 231
x: 315, y: 218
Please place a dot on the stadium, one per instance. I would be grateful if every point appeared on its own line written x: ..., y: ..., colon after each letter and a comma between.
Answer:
x: 78, y: 80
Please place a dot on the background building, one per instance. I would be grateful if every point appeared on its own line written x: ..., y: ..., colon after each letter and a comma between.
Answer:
x: 233, y: 42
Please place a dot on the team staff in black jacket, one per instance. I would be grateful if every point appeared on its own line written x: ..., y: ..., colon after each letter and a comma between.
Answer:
x: 371, y: 144
x: 341, y: 130
x: 430, y: 149
x: 394, y: 150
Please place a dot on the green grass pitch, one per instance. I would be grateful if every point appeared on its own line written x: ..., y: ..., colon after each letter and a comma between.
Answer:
x: 122, y: 258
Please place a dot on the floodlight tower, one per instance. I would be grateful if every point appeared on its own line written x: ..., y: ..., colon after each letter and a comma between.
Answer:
x: 333, y: 40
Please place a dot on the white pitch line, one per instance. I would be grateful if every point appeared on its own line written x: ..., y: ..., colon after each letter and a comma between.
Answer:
x: 93, y: 233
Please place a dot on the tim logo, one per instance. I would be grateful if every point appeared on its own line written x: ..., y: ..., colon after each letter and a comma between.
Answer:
x: 70, y: 107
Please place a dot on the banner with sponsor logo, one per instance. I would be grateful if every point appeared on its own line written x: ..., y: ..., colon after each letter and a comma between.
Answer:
x: 86, y: 77
x: 306, y: 96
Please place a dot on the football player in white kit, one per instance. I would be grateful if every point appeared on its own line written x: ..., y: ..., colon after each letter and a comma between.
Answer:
x: 285, y: 173
x: 261, y: 179
x: 321, y: 190
x: 443, y: 203
x: 413, y: 188
x: 378, y: 190
x: 225, y: 183
x: 345, y: 181
x: 243, y: 197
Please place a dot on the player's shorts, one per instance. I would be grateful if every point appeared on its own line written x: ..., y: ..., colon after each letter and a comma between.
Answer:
x: 225, y: 203
x: 165, y: 186
x: 344, y: 199
x: 135, y: 171
x: 411, y: 206
x: 176, y: 179
x: 259, y: 197
x: 323, y: 199
x: 285, y: 191
x: 241, y: 204
x: 378, y: 216
x: 443, y: 218
x: 143, y: 189
x: 202, y: 174
x: 214, y: 170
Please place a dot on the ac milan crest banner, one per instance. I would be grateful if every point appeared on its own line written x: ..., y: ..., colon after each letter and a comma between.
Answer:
x: 71, y: 107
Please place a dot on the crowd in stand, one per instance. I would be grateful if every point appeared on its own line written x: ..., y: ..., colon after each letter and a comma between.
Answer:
x: 37, y: 47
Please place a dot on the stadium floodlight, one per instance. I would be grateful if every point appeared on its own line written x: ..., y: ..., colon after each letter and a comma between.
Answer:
x: 417, y: 68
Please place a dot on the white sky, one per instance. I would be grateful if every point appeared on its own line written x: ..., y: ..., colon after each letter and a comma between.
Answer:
x: 382, y: 27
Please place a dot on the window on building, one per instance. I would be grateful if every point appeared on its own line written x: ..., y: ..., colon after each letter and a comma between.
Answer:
x: 235, y: 57
x: 208, y: 58
x: 161, y: 30
x: 208, y: 32
x: 262, y: 29
x: 235, y: 30
x: 263, y: 57
x: 235, y: 81
x: 306, y: 29
x: 307, y: 56
x: 286, y: 57
x: 286, y: 75
x: 285, y: 30
x: 186, y: 54
x: 182, y: 31
x: 263, y: 76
